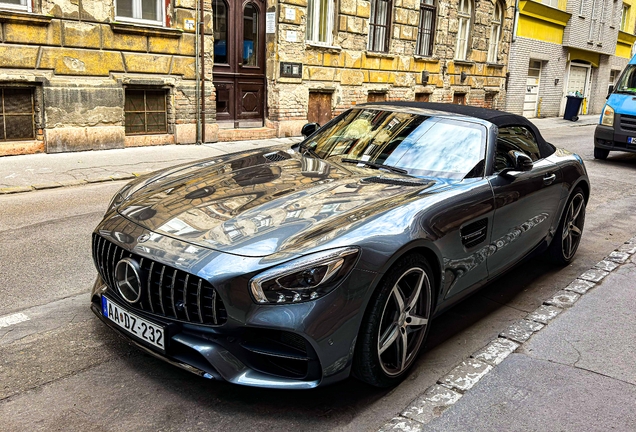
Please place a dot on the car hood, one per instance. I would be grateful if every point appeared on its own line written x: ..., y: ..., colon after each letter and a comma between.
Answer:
x: 264, y: 202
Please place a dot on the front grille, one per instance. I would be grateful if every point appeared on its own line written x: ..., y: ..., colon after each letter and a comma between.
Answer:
x: 276, y: 156
x: 628, y: 123
x: 166, y: 291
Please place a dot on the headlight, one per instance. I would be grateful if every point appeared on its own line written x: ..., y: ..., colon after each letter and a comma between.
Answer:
x: 306, y: 278
x: 607, y: 119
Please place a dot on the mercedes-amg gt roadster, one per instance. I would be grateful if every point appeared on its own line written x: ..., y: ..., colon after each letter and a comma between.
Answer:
x: 294, y: 267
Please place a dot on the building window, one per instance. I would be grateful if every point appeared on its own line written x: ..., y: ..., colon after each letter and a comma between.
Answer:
x: 459, y: 98
x: 380, y: 25
x: 422, y: 97
x: 376, y: 97
x: 495, y: 34
x: 145, y: 112
x: 320, y: 19
x: 426, y: 28
x: 551, y: 3
x: 624, y: 17
x: 23, y: 5
x: 220, y: 31
x: 464, y: 14
x: 17, y: 116
x: 140, y: 11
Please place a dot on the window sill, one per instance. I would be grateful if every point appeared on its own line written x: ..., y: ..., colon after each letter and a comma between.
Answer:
x: 495, y: 65
x: 25, y: 18
x: 119, y: 27
x: 314, y: 45
x: 463, y: 62
x: 426, y: 59
x: 379, y: 54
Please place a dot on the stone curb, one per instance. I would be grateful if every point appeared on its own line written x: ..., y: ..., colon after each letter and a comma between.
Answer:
x: 452, y: 386
x: 69, y: 183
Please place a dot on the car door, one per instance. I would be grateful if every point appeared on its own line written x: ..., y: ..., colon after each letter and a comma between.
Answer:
x: 525, y: 202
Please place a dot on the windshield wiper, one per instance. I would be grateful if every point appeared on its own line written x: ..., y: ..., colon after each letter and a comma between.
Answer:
x: 305, y: 149
x: 375, y: 165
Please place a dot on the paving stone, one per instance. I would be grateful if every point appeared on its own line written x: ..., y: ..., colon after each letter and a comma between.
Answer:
x: 563, y: 299
x: 466, y: 375
x: 431, y: 404
x: 496, y: 351
x: 51, y: 185
x: 594, y: 275
x: 628, y: 247
x: 402, y: 424
x: 619, y: 257
x: 15, y: 189
x: 521, y: 331
x: 580, y: 286
x: 73, y: 182
x: 544, y: 314
x: 99, y: 180
x: 606, y: 265
x: 122, y: 177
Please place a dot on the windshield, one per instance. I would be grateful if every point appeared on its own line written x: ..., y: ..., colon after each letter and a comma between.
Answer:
x: 420, y: 145
x: 627, y: 81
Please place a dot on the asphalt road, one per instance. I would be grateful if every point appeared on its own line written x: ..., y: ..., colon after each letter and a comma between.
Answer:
x: 63, y: 370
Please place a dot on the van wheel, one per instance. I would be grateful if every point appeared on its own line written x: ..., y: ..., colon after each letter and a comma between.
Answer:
x: 600, y: 153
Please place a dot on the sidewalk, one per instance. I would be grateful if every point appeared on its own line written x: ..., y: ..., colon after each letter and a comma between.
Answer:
x: 45, y: 171
x: 568, y: 366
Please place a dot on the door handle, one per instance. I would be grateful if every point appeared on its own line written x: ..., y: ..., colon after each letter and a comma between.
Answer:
x: 548, y: 179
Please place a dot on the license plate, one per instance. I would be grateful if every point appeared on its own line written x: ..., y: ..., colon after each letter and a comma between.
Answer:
x: 133, y: 324
x: 631, y: 140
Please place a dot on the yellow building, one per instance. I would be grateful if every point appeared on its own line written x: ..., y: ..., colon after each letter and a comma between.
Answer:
x: 561, y: 48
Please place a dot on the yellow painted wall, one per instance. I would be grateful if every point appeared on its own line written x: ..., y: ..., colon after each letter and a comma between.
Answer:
x: 534, y: 28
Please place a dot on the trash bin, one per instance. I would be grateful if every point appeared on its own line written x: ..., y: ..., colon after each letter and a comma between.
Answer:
x: 572, y: 107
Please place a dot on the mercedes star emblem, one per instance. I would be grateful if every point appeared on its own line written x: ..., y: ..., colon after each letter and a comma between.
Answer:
x: 128, y: 279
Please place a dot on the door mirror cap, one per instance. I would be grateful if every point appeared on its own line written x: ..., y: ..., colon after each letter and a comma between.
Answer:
x: 610, y: 90
x: 309, y: 129
x: 521, y: 162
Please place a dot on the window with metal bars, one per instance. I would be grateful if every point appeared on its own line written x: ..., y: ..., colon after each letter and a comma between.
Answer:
x: 380, y: 25
x: 17, y: 117
x: 426, y: 28
x: 146, y: 112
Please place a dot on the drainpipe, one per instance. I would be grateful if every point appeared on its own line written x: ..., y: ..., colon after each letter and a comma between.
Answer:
x: 202, y: 46
x: 516, y: 21
x: 197, y: 90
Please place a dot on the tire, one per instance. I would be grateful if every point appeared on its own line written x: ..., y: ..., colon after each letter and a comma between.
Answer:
x: 568, y: 236
x: 600, y: 153
x: 398, y: 316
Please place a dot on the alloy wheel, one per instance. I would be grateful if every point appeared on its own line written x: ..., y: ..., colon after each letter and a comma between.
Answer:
x: 573, y: 226
x: 404, y: 321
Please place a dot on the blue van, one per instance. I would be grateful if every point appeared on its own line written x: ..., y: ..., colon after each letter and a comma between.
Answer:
x: 617, y: 126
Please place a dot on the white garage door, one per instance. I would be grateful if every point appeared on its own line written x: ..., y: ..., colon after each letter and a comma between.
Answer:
x: 532, y: 89
x: 577, y: 79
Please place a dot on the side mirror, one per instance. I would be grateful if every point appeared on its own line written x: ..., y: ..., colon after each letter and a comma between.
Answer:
x: 610, y: 90
x: 309, y: 129
x: 521, y: 162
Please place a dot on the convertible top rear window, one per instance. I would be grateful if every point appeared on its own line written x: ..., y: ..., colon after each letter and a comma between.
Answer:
x: 421, y: 145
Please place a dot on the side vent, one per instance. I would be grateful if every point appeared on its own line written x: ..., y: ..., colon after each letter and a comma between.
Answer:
x: 276, y: 156
x: 474, y: 233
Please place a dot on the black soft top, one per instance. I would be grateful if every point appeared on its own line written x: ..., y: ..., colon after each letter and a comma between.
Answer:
x: 499, y: 118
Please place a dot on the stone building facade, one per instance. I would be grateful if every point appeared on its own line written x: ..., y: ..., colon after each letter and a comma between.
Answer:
x: 349, y: 67
x: 94, y: 74
x: 565, y: 46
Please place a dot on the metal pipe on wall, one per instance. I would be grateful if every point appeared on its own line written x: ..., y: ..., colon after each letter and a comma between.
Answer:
x: 197, y: 91
x: 202, y: 46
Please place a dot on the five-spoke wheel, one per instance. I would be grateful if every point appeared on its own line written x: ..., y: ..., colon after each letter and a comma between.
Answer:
x: 568, y: 236
x: 396, y: 323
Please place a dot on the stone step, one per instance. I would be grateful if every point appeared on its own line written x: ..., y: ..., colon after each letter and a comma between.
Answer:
x: 246, y: 134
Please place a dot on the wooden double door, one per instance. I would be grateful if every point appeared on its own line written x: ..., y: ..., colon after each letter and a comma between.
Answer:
x: 239, y: 62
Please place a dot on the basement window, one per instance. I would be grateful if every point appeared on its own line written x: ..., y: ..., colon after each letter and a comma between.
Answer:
x: 146, y: 112
x: 22, y: 5
x: 140, y: 11
x: 17, y: 117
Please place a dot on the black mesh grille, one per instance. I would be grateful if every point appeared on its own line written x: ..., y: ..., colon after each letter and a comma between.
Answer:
x: 166, y: 291
x: 628, y: 123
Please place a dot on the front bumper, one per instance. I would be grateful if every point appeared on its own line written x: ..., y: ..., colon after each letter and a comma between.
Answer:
x: 613, y: 138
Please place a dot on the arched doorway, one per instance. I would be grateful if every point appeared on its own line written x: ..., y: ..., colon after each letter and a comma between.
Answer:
x: 239, y: 62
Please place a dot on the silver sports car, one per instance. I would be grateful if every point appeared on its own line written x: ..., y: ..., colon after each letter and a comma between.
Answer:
x: 297, y: 267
